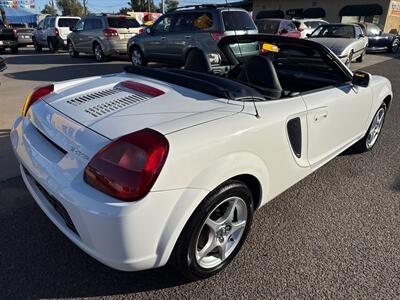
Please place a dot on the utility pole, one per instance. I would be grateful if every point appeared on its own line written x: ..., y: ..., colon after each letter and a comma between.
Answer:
x: 84, y: 7
x: 148, y: 5
x: 163, y: 6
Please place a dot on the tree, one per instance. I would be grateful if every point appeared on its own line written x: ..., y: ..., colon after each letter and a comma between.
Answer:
x: 124, y: 11
x: 171, y: 4
x: 49, y: 10
x: 142, y: 5
x: 70, y: 7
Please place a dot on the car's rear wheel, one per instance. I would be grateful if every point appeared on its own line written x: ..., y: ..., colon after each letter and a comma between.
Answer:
x: 349, y: 59
x: 99, y: 54
x: 52, y: 46
x: 137, y: 57
x: 37, y: 47
x: 370, y: 139
x: 71, y: 50
x: 14, y: 50
x: 215, y: 232
x: 395, y: 45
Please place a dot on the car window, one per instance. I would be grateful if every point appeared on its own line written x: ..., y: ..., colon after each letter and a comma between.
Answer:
x: 46, y: 23
x: 162, y: 25
x: 237, y: 20
x: 358, y: 31
x: 267, y: 26
x: 313, y: 24
x: 291, y: 27
x: 334, y: 31
x: 123, y: 22
x: 79, y: 26
x: 191, y: 22
x: 52, y: 22
x: 88, y: 24
x: 67, y: 22
x: 373, y: 30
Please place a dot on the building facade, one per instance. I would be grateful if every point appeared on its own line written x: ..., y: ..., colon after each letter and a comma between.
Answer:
x: 386, y: 13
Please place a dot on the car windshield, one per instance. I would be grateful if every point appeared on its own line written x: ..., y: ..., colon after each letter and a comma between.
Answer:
x: 237, y: 20
x: 267, y: 26
x: 123, y: 22
x: 373, y: 30
x: 334, y: 31
x: 67, y: 22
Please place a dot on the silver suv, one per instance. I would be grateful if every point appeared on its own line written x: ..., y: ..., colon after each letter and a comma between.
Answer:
x: 102, y: 36
x: 52, y: 33
x: 176, y: 33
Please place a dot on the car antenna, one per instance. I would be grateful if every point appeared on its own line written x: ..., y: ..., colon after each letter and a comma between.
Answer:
x: 257, y: 115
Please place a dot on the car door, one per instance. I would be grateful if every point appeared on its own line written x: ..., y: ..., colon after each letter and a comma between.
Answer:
x: 77, y: 36
x: 87, y: 35
x: 336, y: 117
x: 39, y: 32
x: 361, y: 41
x: 43, y: 33
x: 156, y: 44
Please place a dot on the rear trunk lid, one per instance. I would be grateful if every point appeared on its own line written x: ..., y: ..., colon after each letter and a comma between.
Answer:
x: 107, y: 106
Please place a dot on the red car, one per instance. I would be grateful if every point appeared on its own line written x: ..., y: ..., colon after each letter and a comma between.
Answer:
x: 278, y: 27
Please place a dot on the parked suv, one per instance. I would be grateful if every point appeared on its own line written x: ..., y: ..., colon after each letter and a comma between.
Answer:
x: 103, y: 35
x: 177, y: 32
x: 52, y: 33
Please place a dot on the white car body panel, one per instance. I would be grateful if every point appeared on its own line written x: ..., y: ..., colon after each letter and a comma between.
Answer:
x: 211, y: 140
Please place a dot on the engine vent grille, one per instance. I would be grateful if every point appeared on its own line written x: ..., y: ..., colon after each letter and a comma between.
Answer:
x: 107, y: 101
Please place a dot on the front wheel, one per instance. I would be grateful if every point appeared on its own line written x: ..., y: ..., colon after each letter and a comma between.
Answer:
x: 215, y: 232
x: 37, y: 47
x: 395, y: 45
x: 137, y: 57
x: 371, y: 137
x: 361, y: 57
x: 99, y: 54
x: 71, y: 50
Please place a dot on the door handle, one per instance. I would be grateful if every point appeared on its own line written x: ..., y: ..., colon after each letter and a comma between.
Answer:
x: 163, y: 38
x: 188, y: 36
x: 318, y: 117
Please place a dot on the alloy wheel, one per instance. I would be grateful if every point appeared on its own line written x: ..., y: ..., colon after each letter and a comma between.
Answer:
x: 221, y: 232
x: 98, y: 52
x: 395, y: 45
x: 376, y: 128
x: 136, y: 57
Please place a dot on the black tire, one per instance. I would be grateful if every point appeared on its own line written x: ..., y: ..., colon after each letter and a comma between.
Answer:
x: 137, y: 57
x: 184, y: 258
x: 361, y: 57
x: 99, y: 54
x: 349, y: 59
x: 395, y: 45
x: 14, y: 50
x: 363, y: 145
x: 71, y: 50
x: 38, y: 48
x: 52, y: 45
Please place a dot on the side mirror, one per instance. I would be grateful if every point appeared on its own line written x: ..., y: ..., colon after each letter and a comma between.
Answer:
x: 73, y: 29
x: 308, y: 35
x: 149, y: 30
x: 361, y: 78
x: 361, y: 35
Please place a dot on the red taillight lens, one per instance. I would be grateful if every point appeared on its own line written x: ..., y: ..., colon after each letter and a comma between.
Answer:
x: 128, y: 167
x: 57, y: 32
x: 141, y: 30
x: 217, y: 36
x: 35, y: 96
x: 110, y: 33
x: 142, y: 88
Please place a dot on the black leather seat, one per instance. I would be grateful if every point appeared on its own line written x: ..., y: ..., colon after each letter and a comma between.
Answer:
x: 260, y: 73
x: 197, y: 61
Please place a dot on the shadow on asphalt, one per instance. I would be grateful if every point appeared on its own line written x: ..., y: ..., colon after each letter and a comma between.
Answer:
x: 37, y: 261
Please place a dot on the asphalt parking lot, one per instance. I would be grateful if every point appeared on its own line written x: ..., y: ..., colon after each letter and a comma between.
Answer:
x: 333, y: 235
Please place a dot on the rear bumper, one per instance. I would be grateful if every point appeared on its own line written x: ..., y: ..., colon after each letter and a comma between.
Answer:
x: 125, y: 236
x: 111, y: 47
x: 8, y: 44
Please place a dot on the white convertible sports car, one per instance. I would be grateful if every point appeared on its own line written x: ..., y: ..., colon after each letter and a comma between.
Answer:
x: 152, y: 166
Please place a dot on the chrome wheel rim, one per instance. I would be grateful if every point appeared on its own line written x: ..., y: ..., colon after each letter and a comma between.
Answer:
x: 70, y: 49
x: 395, y: 45
x: 136, y: 57
x: 98, y: 52
x: 221, y: 232
x: 376, y: 128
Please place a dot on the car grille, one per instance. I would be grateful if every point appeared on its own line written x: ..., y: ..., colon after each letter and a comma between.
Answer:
x: 60, y: 209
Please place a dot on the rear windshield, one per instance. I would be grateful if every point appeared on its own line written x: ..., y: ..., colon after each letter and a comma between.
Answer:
x: 334, y: 31
x: 67, y: 22
x: 267, y: 26
x: 313, y: 24
x: 237, y: 20
x: 122, y: 22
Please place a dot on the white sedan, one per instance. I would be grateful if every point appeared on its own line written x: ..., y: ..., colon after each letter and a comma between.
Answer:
x: 157, y: 165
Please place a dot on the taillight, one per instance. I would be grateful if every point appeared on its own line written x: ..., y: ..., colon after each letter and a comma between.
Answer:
x: 217, y: 36
x: 141, y: 30
x: 110, y: 33
x: 35, y: 96
x: 142, y: 88
x: 128, y: 167
x: 57, y: 32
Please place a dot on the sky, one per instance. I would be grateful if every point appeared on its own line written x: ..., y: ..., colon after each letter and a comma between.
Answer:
x: 98, y: 6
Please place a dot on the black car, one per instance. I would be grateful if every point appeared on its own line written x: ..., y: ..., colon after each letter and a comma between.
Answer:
x: 379, y: 41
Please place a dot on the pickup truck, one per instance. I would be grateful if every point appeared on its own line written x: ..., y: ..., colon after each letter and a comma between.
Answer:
x: 8, y: 39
